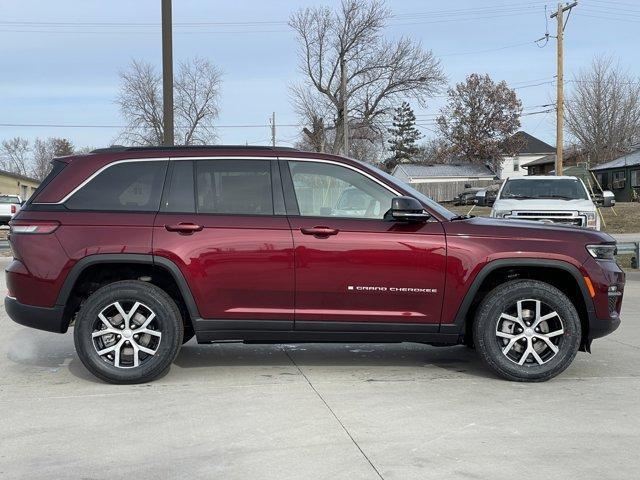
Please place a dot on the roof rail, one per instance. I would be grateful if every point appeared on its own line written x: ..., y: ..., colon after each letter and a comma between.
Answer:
x: 122, y: 148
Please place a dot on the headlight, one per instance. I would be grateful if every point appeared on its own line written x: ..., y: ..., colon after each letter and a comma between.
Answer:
x: 592, y: 219
x: 501, y: 213
x: 602, y: 252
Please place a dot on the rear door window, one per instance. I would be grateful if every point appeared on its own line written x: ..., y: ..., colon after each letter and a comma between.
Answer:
x: 132, y: 186
x: 241, y: 187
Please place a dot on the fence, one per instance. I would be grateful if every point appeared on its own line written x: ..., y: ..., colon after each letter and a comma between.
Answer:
x: 632, y: 248
x: 447, y: 191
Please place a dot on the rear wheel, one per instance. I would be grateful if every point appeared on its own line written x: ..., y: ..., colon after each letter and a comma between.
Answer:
x: 128, y: 332
x: 527, y: 330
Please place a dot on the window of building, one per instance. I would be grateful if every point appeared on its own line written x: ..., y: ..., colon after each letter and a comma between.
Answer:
x: 516, y: 164
x: 618, y: 179
x: 134, y: 186
x: 603, y: 180
x: 635, y: 178
x: 234, y: 187
x: 327, y: 190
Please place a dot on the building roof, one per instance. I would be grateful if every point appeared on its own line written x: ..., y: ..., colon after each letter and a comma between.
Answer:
x: 629, y: 160
x: 412, y: 170
x: 547, y: 159
x: 530, y: 145
x: 18, y: 176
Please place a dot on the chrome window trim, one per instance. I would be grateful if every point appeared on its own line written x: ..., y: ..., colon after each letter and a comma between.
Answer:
x: 132, y: 160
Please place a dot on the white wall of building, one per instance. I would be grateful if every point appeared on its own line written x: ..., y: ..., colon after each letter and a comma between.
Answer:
x: 509, y: 164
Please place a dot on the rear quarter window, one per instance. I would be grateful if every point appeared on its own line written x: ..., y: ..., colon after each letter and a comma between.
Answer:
x: 128, y: 186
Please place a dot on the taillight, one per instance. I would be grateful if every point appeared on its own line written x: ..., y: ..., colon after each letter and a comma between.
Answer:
x: 13, y: 209
x: 33, y: 226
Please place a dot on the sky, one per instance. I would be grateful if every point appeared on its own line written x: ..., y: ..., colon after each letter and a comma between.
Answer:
x: 59, y: 61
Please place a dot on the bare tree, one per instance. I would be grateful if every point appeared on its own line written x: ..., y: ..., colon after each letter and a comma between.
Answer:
x: 46, y: 150
x: 602, y: 112
x: 378, y: 73
x: 15, y: 155
x: 196, y: 87
x: 433, y: 151
x: 480, y: 119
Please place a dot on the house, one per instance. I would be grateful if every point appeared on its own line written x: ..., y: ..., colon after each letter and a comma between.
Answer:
x: 621, y: 176
x: 542, y: 166
x: 443, y: 182
x: 16, y: 184
x: 529, y: 150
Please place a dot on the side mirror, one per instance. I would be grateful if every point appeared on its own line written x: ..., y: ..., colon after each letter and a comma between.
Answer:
x: 608, y: 198
x: 408, y: 209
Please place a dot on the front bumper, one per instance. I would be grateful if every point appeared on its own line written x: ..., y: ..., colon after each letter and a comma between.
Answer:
x: 604, y: 313
x: 49, y: 319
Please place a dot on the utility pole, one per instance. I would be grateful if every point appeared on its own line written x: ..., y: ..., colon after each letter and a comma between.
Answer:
x: 345, y: 114
x: 560, y: 82
x: 167, y: 74
x: 273, y: 129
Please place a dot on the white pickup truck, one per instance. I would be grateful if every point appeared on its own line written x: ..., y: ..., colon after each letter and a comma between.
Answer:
x: 9, y: 206
x: 549, y: 199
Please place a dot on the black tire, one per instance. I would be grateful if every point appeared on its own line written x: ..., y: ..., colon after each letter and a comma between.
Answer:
x: 500, y: 300
x: 167, y: 321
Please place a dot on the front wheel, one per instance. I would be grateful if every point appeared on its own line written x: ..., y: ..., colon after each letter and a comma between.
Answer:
x: 527, y: 330
x: 128, y: 332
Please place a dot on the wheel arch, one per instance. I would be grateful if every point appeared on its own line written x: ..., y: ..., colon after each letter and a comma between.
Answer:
x: 149, y: 262
x: 499, y: 271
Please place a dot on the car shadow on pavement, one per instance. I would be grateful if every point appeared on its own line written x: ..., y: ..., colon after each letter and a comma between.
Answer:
x: 52, y: 353
x: 457, y: 360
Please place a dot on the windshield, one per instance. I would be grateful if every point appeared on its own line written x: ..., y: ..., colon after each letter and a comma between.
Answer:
x: 526, y: 188
x: 432, y: 204
x: 8, y: 199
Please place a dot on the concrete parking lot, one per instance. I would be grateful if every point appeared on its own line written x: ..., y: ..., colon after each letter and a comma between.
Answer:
x: 233, y: 411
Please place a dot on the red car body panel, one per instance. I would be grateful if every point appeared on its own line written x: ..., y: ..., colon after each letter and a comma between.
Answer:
x: 230, y: 257
x: 347, y: 277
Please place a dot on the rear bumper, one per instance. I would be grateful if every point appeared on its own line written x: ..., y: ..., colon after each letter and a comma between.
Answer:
x: 49, y: 319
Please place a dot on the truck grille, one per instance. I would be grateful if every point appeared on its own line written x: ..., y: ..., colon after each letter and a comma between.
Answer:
x: 565, y: 218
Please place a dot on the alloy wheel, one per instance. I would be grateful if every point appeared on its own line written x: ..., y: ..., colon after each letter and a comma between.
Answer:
x: 530, y: 332
x: 126, y: 334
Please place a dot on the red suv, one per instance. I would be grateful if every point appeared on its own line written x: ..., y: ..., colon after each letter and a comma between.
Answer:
x: 143, y: 248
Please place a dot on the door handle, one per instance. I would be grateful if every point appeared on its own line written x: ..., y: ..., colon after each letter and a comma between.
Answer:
x: 321, y: 232
x: 184, y: 228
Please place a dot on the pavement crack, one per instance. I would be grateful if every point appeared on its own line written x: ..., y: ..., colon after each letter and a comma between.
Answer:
x: 333, y: 413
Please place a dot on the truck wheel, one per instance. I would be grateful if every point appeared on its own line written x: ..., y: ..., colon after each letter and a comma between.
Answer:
x: 128, y: 332
x: 527, y: 331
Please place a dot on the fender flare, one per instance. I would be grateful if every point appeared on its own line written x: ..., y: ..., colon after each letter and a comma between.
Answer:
x: 129, y: 258
x: 459, y: 322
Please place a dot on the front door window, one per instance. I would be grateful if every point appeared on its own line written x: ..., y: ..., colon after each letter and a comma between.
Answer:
x: 328, y: 190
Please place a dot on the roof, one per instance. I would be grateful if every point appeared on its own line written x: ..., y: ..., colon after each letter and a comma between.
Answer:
x: 122, y: 148
x: 531, y: 145
x: 547, y: 159
x: 412, y: 170
x: 629, y: 160
x: 18, y: 176
x: 544, y: 177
